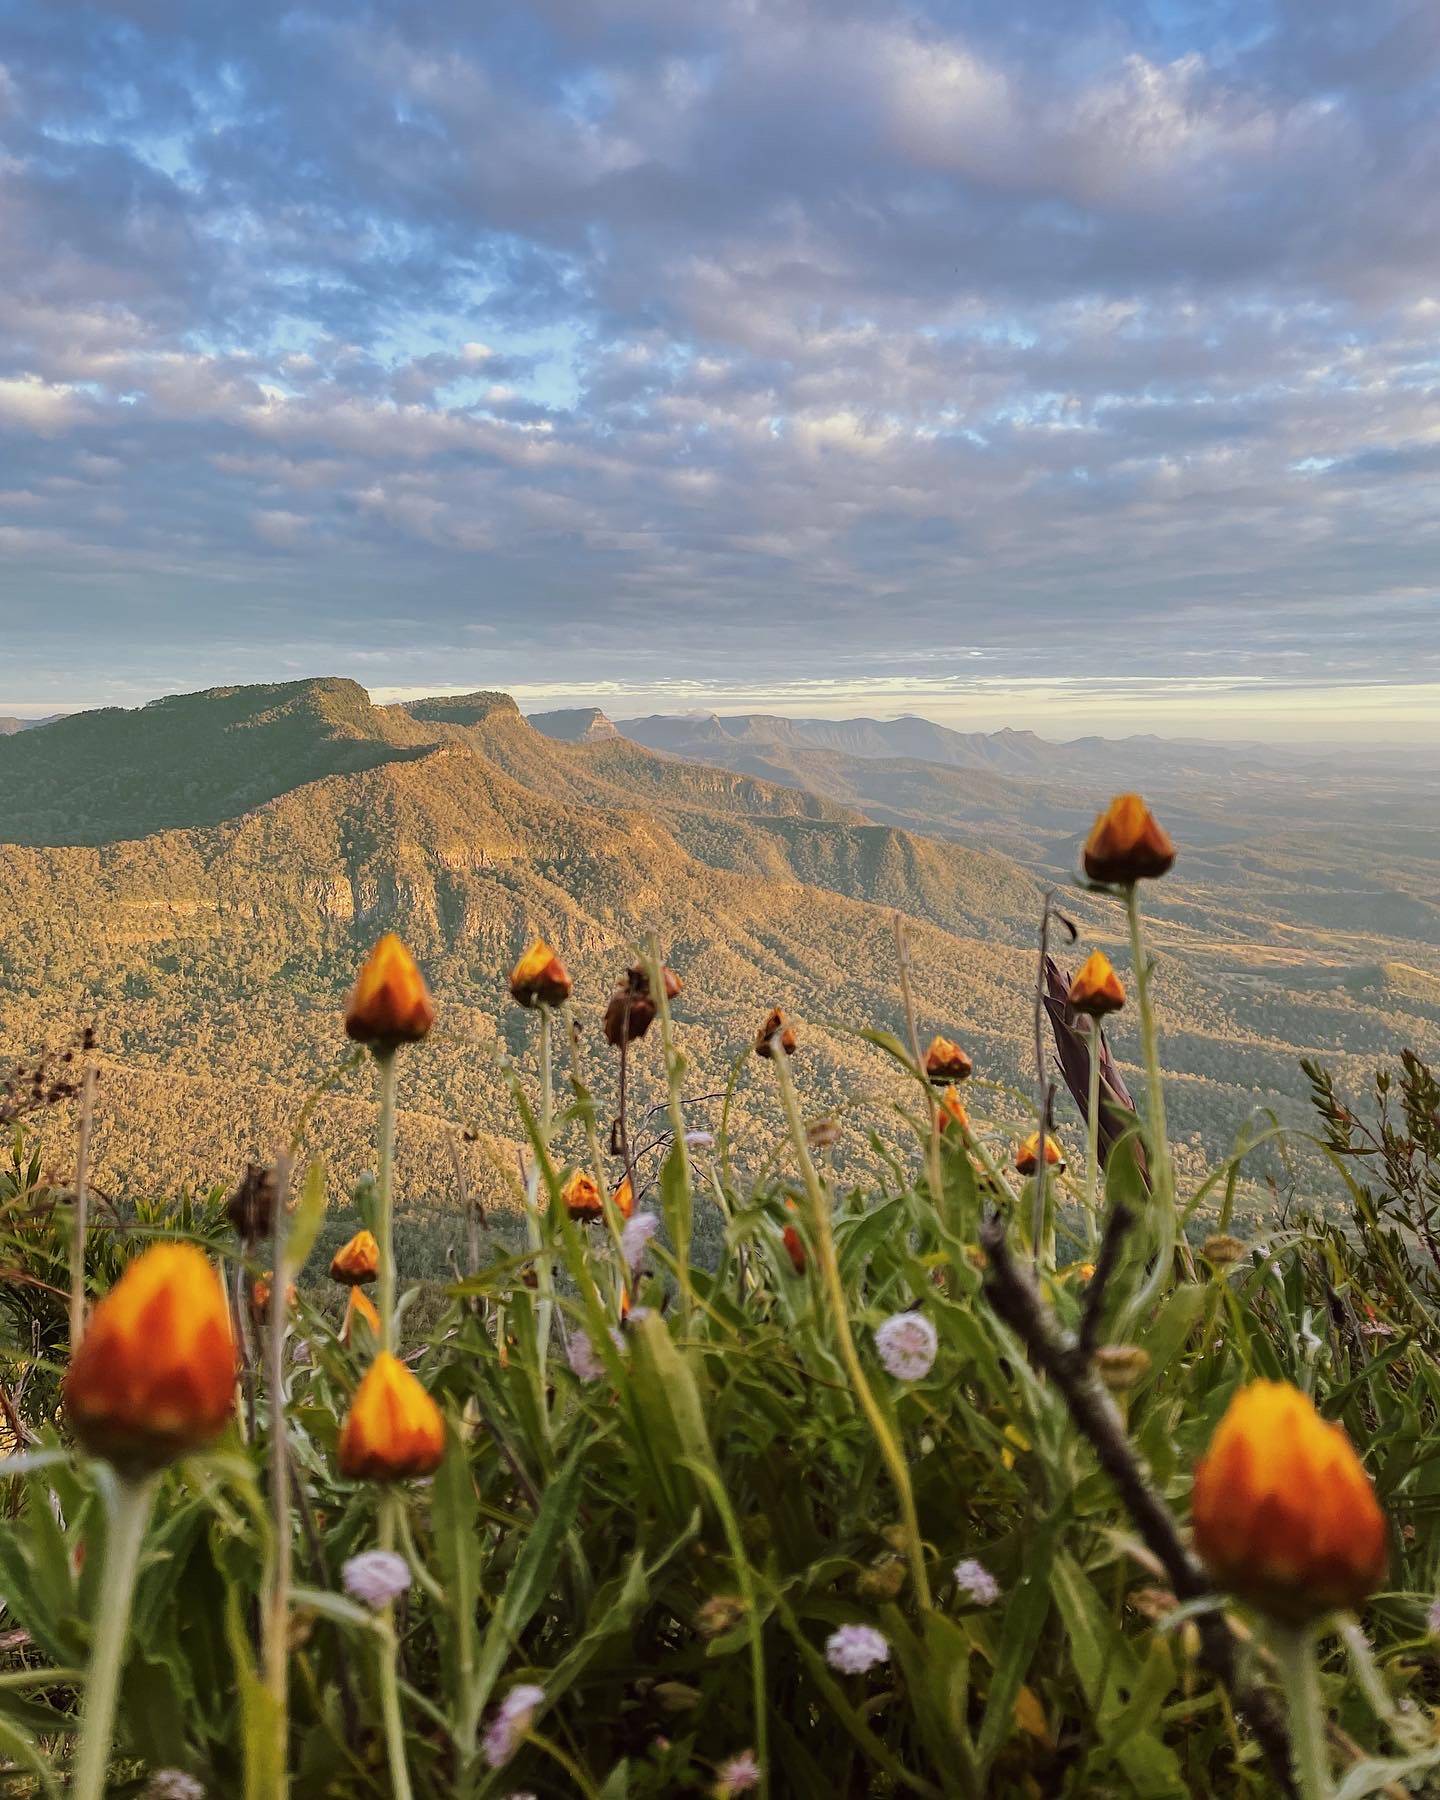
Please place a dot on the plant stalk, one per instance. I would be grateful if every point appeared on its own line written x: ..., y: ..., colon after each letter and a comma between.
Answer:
x: 1294, y: 1651
x: 82, y: 1208
x: 385, y: 1070
x: 1092, y: 1134
x: 835, y: 1292
x: 130, y: 1505
x: 277, y: 1613
x: 1162, y: 1175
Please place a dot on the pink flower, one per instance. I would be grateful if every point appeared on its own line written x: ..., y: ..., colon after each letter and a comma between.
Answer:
x: 906, y: 1344
x: 637, y: 1233
x: 738, y: 1774
x: 855, y: 1648
x: 976, y: 1582
x: 376, y: 1577
x: 511, y: 1722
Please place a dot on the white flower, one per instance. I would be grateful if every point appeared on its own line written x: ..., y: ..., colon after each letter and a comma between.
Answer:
x: 855, y: 1648
x: 700, y: 1140
x: 376, y: 1577
x: 511, y: 1722
x: 584, y: 1359
x: 906, y: 1345
x: 637, y: 1233
x: 173, y: 1784
x: 975, y: 1580
x: 738, y: 1774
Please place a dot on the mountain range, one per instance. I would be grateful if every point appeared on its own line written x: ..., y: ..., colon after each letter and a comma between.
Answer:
x: 201, y: 875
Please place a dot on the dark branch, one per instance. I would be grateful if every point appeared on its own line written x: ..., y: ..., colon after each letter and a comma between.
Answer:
x: 1016, y: 1300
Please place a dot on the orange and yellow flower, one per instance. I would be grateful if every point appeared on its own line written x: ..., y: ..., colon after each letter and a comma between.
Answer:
x: 390, y: 1003
x: 1284, y: 1514
x: 1027, y: 1157
x: 581, y: 1194
x: 356, y: 1261
x: 540, y: 978
x: 1127, y: 844
x: 359, y: 1307
x: 1096, y: 989
x: 946, y: 1062
x: 624, y: 1198
x: 953, y: 1116
x: 393, y: 1428
x: 154, y: 1376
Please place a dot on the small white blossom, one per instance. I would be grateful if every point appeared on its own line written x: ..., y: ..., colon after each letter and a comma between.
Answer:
x: 1432, y: 1619
x: 580, y: 1354
x: 700, y: 1140
x: 173, y: 1784
x: 976, y: 1581
x: 738, y: 1774
x: 906, y: 1345
x: 511, y: 1722
x: 376, y: 1577
x: 855, y: 1648
x: 637, y: 1313
x: 637, y: 1233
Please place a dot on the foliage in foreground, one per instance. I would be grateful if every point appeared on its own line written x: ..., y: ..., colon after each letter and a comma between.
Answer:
x: 628, y: 1573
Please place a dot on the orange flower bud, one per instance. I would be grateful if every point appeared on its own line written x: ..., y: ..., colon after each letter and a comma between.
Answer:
x: 953, y: 1116
x: 154, y: 1376
x: 1027, y: 1157
x: 1097, y: 989
x: 1127, y: 844
x: 540, y: 978
x: 794, y: 1248
x: 357, y: 1261
x: 775, y: 1025
x: 251, y: 1208
x: 581, y: 1194
x: 263, y: 1287
x: 390, y: 1003
x: 359, y: 1307
x: 632, y: 1007
x: 1284, y: 1514
x: 393, y: 1428
x: 946, y: 1062
x: 624, y: 1198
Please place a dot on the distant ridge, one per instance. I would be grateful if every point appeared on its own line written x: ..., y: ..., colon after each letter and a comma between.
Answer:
x: 576, y: 725
x: 9, y: 724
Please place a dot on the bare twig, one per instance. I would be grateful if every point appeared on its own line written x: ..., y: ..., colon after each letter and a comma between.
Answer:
x: 82, y: 1206
x: 1118, y: 1223
x: 1014, y: 1296
x: 1045, y: 1087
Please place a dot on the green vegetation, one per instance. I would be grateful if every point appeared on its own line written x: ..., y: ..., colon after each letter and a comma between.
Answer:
x: 199, y: 877
x: 628, y: 1574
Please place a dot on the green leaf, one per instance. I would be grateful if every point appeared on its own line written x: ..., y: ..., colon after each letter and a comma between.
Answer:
x: 308, y: 1217
x: 454, y: 1519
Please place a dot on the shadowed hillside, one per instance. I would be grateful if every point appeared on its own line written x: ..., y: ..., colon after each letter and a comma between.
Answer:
x: 201, y: 876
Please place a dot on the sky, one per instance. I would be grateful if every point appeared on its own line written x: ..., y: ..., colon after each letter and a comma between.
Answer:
x: 1057, y: 363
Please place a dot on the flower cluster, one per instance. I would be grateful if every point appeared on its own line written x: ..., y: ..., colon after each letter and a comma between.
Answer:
x: 513, y: 1718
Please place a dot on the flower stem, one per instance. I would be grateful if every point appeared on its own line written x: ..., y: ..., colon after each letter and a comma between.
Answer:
x: 390, y: 1505
x: 277, y: 1614
x: 130, y: 1505
x: 385, y: 1069
x: 1092, y: 1134
x: 1294, y: 1651
x: 835, y: 1291
x: 390, y: 1710
x: 1162, y: 1174
x: 82, y: 1208
x: 544, y: 1272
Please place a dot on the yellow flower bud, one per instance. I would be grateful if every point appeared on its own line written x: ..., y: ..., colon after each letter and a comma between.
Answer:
x: 1127, y: 844
x: 540, y: 978
x: 357, y: 1308
x: 154, y: 1376
x: 390, y: 1003
x: 357, y: 1261
x: 946, y: 1061
x: 1027, y: 1157
x: 393, y: 1428
x: 1284, y: 1514
x: 1097, y: 989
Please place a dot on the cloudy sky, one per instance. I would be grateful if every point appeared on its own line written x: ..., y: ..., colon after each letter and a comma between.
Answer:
x: 1046, y: 360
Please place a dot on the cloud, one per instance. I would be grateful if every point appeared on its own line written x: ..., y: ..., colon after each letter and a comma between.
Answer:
x: 633, y: 335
